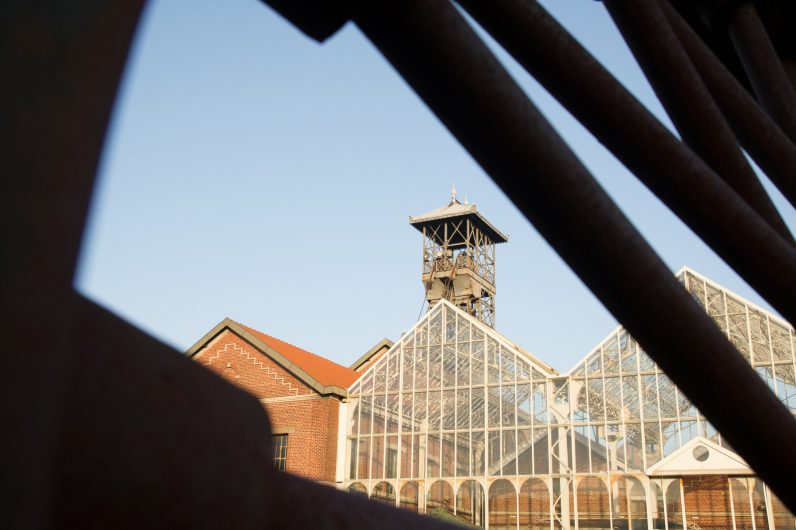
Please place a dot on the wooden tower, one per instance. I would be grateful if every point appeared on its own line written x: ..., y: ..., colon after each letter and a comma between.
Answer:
x: 459, y: 257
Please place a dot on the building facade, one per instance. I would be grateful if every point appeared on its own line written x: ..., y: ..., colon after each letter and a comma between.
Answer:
x: 455, y: 417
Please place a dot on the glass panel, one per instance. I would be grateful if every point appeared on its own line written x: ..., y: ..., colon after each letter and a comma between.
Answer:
x: 406, y: 412
x: 421, y: 368
x: 478, y: 408
x: 406, y: 456
x: 391, y: 458
x: 493, y: 361
x: 448, y: 454
x: 740, y: 503
x: 463, y: 329
x: 434, y: 366
x: 380, y: 378
x: 435, y: 328
x: 508, y: 406
x: 508, y: 367
x: 463, y: 454
x: 393, y: 372
x: 534, y: 506
x: 783, y: 518
x: 478, y: 447
x: 493, y: 406
x: 440, y: 499
x: 434, y: 410
x: 433, y: 448
x: 364, y: 415
x: 502, y: 506
x: 593, y: 504
x: 470, y: 503
x: 408, y: 368
x: 509, y: 457
x: 630, y: 398
x: 420, y: 411
x: 738, y: 332
x: 761, y: 348
x: 449, y: 410
x: 463, y: 409
x: 463, y: 364
x: 541, y: 452
x: 410, y: 496
x: 494, y: 452
x: 524, y: 405
x: 378, y: 414
x: 377, y: 457
x: 525, y: 452
x: 477, y: 349
x: 392, y: 413
x: 450, y: 325
x: 449, y: 366
x: 539, y: 403
x: 674, y: 504
x: 363, y: 459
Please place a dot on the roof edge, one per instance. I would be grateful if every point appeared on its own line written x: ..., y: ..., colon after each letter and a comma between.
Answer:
x: 295, y: 370
x: 385, y: 342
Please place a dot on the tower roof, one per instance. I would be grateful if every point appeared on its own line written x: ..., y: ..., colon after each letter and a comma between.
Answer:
x: 456, y: 209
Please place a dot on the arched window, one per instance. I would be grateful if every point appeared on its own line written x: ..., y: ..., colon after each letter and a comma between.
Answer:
x: 594, y: 509
x: 358, y: 488
x: 630, y: 503
x: 384, y: 492
x: 440, y: 498
x: 502, y: 505
x: 534, y: 505
x: 470, y: 503
x: 410, y: 496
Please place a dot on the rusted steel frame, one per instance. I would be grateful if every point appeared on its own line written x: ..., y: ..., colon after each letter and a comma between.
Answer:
x: 763, y: 139
x: 670, y: 169
x: 763, y: 67
x: 447, y: 65
x: 688, y: 102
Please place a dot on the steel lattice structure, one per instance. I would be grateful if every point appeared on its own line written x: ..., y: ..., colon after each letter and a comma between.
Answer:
x: 457, y: 417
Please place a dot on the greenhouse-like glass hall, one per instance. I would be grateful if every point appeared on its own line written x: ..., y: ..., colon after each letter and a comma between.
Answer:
x: 456, y: 418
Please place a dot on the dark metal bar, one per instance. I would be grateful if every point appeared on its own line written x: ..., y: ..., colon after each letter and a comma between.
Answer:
x: 439, y: 55
x: 761, y: 137
x: 763, y: 67
x: 61, y: 63
x: 688, y: 102
x: 670, y: 169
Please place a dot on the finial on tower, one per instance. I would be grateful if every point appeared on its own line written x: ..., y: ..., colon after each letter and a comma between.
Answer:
x: 453, y: 194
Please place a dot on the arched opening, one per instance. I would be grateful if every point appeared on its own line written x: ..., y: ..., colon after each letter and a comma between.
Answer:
x: 384, y: 492
x: 358, y: 488
x: 470, y: 503
x: 502, y: 505
x: 741, y: 504
x: 534, y: 505
x: 440, y: 498
x: 630, y: 503
x: 410, y: 496
x: 594, y: 509
x: 674, y: 504
x: 658, y: 506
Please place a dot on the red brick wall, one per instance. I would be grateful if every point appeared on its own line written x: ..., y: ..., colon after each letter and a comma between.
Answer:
x: 309, y: 419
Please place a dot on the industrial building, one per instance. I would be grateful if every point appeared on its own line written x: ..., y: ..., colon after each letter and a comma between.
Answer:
x: 456, y: 417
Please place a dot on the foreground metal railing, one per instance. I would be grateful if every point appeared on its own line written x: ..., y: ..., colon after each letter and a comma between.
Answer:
x: 111, y: 428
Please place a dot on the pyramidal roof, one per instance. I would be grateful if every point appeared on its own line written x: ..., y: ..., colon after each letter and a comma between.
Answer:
x: 432, y: 330
x: 457, y: 209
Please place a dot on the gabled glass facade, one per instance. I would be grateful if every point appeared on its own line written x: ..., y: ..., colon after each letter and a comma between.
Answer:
x: 455, y: 417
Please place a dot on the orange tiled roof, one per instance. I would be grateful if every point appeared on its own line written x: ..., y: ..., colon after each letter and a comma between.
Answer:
x: 325, y: 371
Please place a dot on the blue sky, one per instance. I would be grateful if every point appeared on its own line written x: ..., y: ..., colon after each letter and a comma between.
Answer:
x: 252, y: 173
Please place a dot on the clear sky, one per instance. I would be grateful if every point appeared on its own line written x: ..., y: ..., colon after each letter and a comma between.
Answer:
x: 255, y: 174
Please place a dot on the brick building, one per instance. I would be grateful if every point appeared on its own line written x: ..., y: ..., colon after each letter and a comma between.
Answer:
x: 456, y: 417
